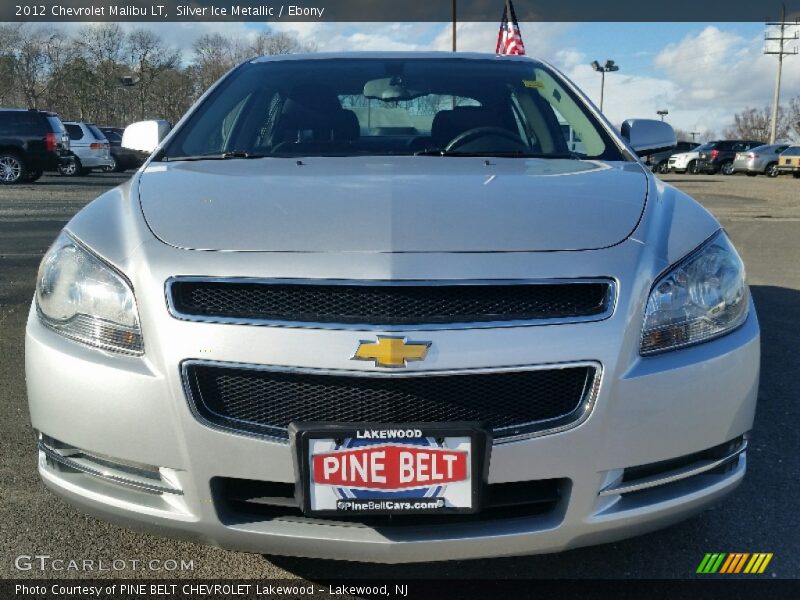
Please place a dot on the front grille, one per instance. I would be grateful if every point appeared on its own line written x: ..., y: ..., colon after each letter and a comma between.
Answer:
x: 245, y: 501
x: 511, y: 403
x: 405, y: 303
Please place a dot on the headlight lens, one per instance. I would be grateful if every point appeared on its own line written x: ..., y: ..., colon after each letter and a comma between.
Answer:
x: 83, y: 298
x: 702, y: 297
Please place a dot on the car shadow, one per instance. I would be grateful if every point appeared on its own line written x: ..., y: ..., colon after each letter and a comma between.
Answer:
x: 674, y: 552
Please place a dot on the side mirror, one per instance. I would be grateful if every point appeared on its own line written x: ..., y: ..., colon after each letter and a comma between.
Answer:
x: 648, y: 136
x: 145, y: 136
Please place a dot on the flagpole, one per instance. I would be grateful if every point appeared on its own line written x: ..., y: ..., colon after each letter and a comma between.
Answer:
x: 454, y: 25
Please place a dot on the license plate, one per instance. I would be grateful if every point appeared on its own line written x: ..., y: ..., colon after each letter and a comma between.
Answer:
x: 368, y: 468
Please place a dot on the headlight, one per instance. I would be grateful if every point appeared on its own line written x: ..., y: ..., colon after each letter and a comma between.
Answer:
x: 704, y: 296
x: 83, y: 298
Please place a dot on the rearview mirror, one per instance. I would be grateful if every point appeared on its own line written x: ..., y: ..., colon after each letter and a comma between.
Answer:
x: 390, y: 89
x: 145, y: 136
x: 648, y: 136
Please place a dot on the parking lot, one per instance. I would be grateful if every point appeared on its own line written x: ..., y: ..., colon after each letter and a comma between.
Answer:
x: 763, y: 218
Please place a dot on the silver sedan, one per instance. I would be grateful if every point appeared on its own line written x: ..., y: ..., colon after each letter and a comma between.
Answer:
x: 376, y: 307
x: 761, y: 160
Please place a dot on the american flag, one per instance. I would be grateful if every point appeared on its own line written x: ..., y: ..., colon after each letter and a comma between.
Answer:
x: 509, y: 39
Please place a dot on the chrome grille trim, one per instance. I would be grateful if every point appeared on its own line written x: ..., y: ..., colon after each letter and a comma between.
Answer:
x: 581, y: 412
x: 611, y: 302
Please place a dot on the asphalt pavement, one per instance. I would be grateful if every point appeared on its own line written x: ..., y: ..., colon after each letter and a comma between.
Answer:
x: 763, y: 217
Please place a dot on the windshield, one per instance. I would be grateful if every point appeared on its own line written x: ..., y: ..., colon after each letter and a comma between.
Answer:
x: 380, y: 106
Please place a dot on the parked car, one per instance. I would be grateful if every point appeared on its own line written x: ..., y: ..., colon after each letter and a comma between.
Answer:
x: 90, y: 149
x: 659, y: 163
x: 718, y: 158
x: 122, y: 158
x: 292, y: 335
x: 761, y: 160
x: 789, y: 161
x: 31, y: 142
x: 686, y: 162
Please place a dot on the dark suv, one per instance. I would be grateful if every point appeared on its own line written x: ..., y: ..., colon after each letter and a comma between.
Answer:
x: 718, y: 157
x: 31, y: 142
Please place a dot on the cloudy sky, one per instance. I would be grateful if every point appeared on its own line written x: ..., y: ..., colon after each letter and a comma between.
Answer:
x: 702, y: 73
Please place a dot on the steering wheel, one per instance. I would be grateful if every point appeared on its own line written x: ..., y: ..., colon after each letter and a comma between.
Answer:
x: 471, y: 135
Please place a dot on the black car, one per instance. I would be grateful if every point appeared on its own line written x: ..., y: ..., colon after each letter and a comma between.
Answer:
x: 719, y: 156
x: 31, y: 142
x: 124, y: 158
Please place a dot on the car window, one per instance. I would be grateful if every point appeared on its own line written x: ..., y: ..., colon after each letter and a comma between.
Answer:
x: 22, y: 122
x: 56, y: 124
x: 98, y: 135
x: 112, y: 136
x: 75, y: 132
x: 391, y: 107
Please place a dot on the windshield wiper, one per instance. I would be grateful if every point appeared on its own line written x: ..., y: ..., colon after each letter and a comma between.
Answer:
x: 497, y: 154
x: 230, y: 154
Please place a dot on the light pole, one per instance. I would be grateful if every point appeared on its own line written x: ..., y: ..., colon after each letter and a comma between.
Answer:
x: 663, y: 113
x: 693, y: 134
x: 609, y: 67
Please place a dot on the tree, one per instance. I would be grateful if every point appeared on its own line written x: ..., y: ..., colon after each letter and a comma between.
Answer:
x: 755, y: 124
x: 149, y: 59
x: 793, y: 118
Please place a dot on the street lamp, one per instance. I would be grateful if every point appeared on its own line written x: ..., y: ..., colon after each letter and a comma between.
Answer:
x: 609, y: 67
x: 663, y: 112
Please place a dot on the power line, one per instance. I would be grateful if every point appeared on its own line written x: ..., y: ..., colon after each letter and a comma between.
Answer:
x: 782, y: 38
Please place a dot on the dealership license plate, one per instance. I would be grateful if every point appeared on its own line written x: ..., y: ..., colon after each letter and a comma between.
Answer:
x: 353, y: 468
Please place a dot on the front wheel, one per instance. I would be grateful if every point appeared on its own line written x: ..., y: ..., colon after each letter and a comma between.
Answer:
x: 663, y: 168
x: 12, y: 169
x: 726, y: 168
x: 71, y: 168
x: 772, y: 170
x: 691, y: 168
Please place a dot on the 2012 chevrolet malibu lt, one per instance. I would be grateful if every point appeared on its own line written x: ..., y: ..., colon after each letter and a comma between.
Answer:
x: 393, y: 307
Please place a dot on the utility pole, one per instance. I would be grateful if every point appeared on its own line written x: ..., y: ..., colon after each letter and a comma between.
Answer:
x: 782, y: 38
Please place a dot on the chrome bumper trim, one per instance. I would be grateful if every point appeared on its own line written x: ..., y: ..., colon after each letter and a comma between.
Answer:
x: 150, y: 488
x: 673, y: 476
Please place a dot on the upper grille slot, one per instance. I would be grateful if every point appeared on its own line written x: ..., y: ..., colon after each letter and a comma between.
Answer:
x: 387, y: 304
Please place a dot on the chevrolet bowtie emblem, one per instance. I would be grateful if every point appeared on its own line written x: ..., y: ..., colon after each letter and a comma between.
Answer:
x: 392, y: 352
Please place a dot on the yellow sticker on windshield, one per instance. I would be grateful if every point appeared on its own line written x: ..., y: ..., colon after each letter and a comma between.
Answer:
x: 532, y: 83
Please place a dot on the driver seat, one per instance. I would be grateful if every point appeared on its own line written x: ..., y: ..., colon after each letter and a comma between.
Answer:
x: 447, y: 124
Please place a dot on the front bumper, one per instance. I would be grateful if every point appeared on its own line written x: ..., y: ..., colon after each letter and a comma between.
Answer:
x: 140, y: 415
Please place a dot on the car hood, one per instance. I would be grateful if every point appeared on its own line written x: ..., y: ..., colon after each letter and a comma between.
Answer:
x: 398, y: 204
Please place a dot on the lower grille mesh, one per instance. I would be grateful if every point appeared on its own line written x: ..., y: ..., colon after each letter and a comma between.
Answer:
x: 265, y: 401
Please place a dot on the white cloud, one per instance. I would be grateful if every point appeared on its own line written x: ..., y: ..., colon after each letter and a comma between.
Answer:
x: 718, y: 73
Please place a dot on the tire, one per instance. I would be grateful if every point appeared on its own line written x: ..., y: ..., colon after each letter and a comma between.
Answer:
x: 33, y: 175
x: 113, y: 167
x: 772, y: 170
x: 663, y: 168
x: 726, y: 168
x: 691, y: 168
x: 796, y: 174
x: 12, y: 168
x: 71, y: 168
